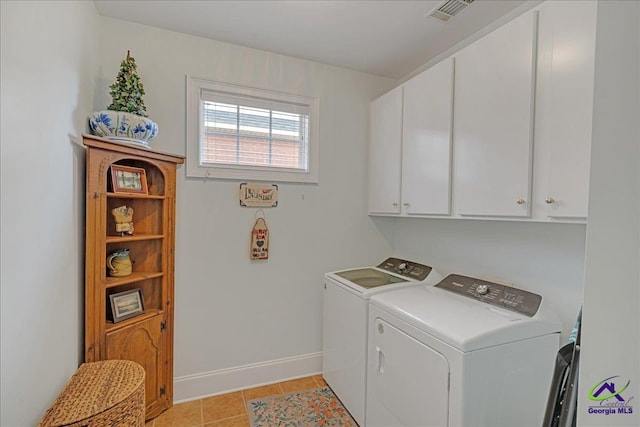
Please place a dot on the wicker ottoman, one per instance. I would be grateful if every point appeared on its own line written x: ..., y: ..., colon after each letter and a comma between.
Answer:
x: 106, y: 393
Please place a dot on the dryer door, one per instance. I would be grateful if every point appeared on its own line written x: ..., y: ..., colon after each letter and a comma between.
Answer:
x: 407, y: 383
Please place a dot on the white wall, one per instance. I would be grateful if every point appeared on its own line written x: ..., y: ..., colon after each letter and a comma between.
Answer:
x: 48, y: 62
x: 241, y: 322
x: 236, y: 320
x: 611, y: 320
x: 544, y: 258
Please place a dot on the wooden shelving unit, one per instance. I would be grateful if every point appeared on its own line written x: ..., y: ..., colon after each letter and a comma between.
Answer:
x: 148, y: 337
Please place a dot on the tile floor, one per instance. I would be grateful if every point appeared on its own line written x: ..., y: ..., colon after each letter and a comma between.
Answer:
x: 228, y: 410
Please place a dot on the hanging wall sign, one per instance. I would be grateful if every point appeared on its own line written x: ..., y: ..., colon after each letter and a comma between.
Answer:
x: 259, y: 240
x: 258, y: 195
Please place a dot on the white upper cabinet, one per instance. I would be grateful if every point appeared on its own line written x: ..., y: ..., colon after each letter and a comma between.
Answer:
x: 507, y: 135
x: 410, y: 149
x: 385, y: 152
x: 493, y: 125
x: 564, y: 108
x: 426, y: 141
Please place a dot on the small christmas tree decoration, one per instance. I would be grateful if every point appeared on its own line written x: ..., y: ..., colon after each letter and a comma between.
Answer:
x: 125, y: 119
x: 127, y: 90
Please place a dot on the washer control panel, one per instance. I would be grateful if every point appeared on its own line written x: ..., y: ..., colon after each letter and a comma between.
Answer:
x: 503, y: 296
x: 405, y: 268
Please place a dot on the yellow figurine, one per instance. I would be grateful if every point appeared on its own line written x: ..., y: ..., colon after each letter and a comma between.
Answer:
x: 123, y: 217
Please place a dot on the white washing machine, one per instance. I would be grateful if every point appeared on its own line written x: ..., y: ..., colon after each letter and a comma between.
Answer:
x: 465, y: 352
x: 345, y: 313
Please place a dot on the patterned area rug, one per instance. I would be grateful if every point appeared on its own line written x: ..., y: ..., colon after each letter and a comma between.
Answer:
x: 311, y: 408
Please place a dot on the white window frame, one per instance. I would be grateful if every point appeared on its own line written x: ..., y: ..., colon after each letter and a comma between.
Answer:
x: 195, y: 86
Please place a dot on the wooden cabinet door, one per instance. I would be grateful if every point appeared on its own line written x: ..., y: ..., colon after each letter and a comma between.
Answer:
x: 565, y: 105
x: 426, y: 141
x: 493, y: 121
x: 385, y: 152
x: 142, y: 342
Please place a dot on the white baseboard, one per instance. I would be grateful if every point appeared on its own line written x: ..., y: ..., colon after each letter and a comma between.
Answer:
x: 197, y: 386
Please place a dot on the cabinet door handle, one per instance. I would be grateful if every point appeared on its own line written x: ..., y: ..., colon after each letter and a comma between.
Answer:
x: 549, y: 200
x: 521, y: 201
x: 395, y: 205
x: 406, y: 205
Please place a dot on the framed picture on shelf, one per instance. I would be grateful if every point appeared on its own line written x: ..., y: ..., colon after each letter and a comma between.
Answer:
x: 127, y: 304
x: 127, y: 179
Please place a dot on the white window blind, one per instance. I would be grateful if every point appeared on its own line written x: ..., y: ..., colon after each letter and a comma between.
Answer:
x: 251, y: 133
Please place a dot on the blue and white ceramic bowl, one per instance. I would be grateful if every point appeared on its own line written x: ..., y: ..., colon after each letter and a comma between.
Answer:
x: 118, y: 125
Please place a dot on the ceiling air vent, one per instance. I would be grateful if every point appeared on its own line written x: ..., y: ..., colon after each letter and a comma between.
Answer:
x: 448, y: 9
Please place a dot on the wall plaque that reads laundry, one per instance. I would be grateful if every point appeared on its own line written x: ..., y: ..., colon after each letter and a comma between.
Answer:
x: 258, y: 195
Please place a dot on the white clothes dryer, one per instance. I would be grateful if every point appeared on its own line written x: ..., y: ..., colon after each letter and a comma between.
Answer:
x: 465, y: 352
x: 345, y: 313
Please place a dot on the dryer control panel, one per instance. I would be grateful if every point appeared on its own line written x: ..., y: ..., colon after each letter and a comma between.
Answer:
x: 405, y: 268
x: 503, y: 296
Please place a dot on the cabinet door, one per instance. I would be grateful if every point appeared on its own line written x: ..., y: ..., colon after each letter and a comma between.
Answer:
x: 384, y: 152
x: 493, y: 117
x: 426, y: 141
x: 142, y: 343
x: 565, y: 105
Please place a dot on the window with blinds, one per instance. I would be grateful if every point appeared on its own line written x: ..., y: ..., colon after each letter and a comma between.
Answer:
x: 248, y: 133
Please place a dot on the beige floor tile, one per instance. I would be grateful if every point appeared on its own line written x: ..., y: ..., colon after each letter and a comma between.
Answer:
x: 228, y: 410
x: 182, y: 415
x: 224, y: 406
x: 321, y: 382
x: 263, y: 391
x: 300, y: 384
x: 241, y: 421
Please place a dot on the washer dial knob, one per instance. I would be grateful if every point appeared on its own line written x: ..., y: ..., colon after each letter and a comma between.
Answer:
x: 482, y: 289
x: 402, y: 267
